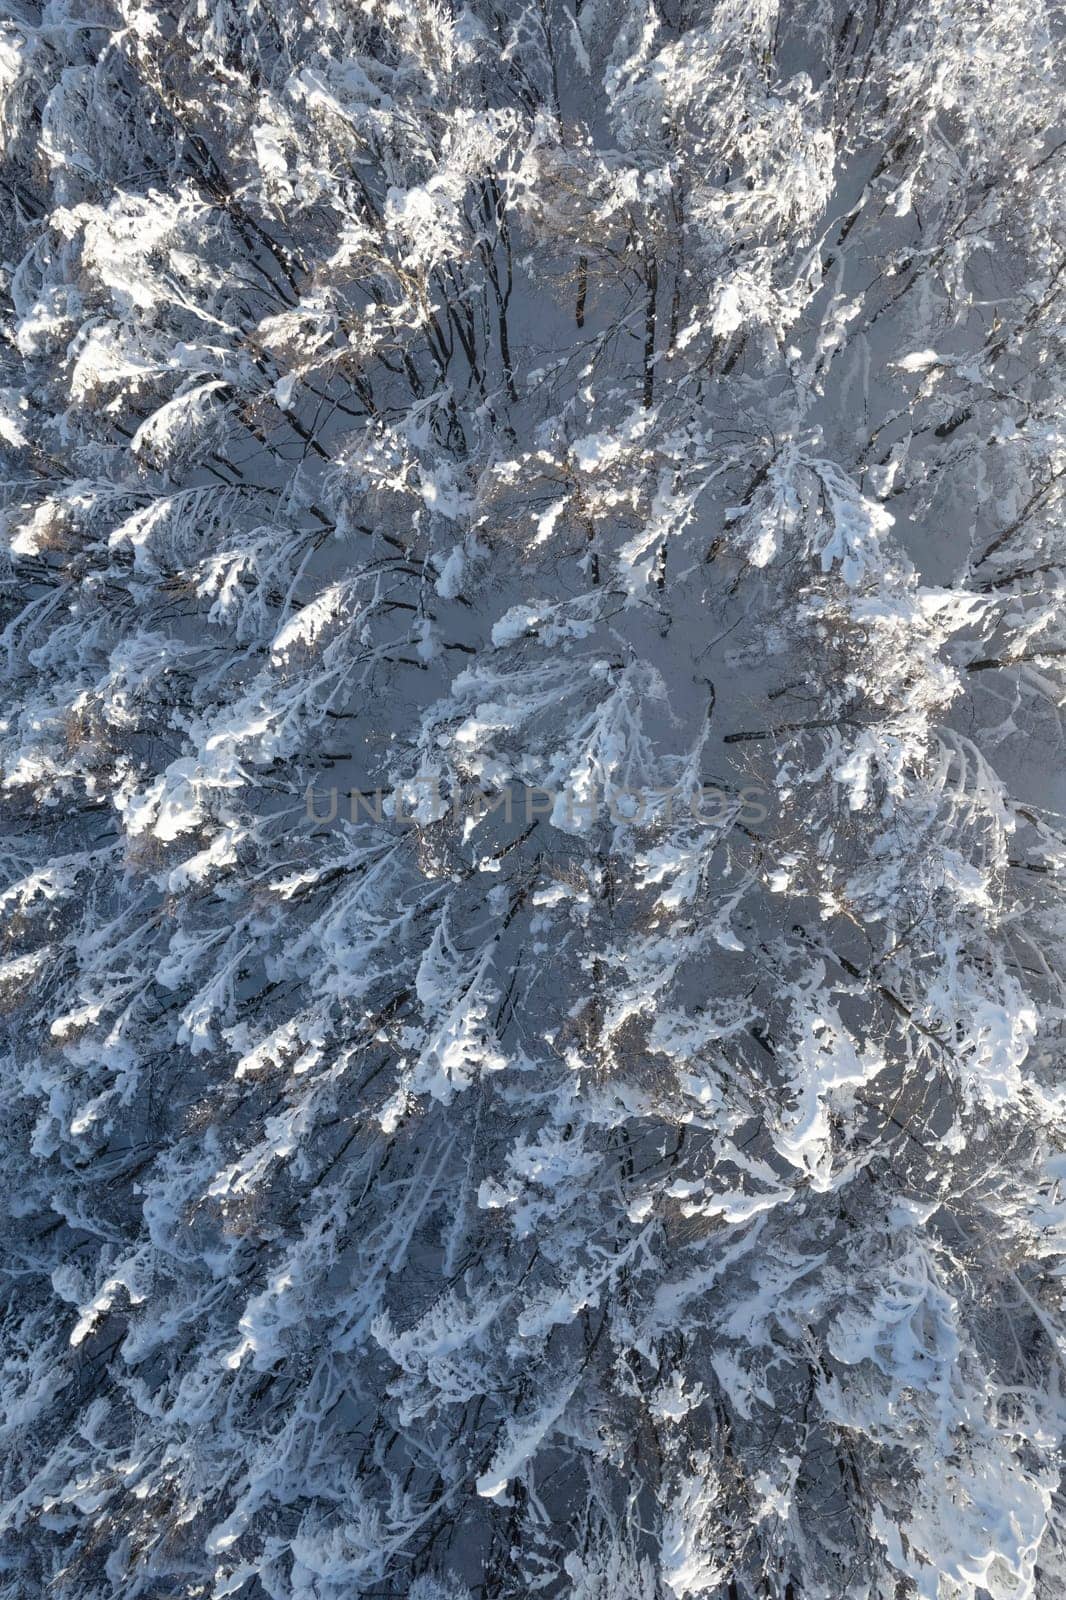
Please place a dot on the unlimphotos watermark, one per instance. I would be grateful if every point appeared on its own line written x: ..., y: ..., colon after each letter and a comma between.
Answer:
x: 420, y: 801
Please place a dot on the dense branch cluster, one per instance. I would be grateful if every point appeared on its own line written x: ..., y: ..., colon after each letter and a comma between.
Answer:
x: 616, y: 1150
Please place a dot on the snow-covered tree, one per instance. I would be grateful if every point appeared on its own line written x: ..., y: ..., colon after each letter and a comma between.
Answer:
x: 532, y: 619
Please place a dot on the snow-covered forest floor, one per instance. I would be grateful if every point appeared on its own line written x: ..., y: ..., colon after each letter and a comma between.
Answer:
x: 532, y: 793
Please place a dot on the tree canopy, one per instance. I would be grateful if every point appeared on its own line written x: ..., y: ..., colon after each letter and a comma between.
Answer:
x: 531, y: 604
